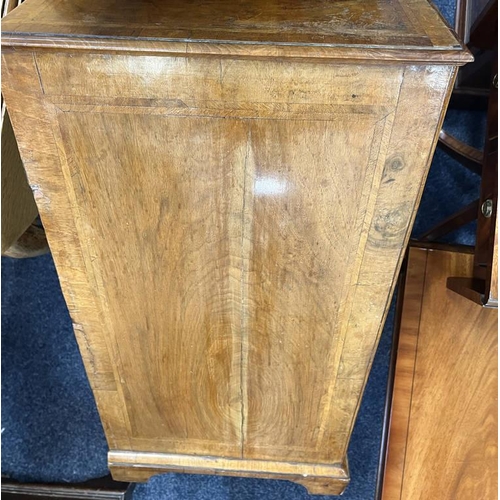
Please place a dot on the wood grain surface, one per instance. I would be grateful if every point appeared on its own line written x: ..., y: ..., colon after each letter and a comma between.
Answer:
x: 374, y: 29
x: 227, y: 232
x: 494, y: 265
x: 443, y: 434
x: 329, y: 479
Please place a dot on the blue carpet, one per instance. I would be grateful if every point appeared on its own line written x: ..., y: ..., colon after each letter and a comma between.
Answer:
x: 50, y: 427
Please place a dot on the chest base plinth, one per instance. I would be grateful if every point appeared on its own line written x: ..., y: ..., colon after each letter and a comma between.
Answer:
x: 326, y: 479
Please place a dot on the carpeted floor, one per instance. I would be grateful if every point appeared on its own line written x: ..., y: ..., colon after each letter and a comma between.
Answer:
x: 50, y: 427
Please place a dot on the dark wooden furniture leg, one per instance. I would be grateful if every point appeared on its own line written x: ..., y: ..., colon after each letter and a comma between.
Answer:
x: 482, y: 287
x: 96, y: 489
x: 457, y: 220
x: 477, y: 24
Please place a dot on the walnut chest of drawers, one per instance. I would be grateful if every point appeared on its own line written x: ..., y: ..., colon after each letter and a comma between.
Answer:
x: 227, y: 188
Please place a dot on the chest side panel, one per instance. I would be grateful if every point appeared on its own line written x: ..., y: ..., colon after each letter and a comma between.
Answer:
x: 237, y: 226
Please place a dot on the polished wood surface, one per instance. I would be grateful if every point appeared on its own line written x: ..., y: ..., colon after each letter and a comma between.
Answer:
x: 227, y: 230
x: 443, y: 433
x: 463, y: 216
x: 466, y: 155
x: 375, y: 22
x: 494, y: 265
x: 375, y: 29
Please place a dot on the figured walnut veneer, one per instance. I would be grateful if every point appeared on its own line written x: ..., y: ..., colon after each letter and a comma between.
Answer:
x: 227, y: 190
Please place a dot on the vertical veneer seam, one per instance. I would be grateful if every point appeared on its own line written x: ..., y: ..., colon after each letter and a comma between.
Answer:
x: 244, y: 299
